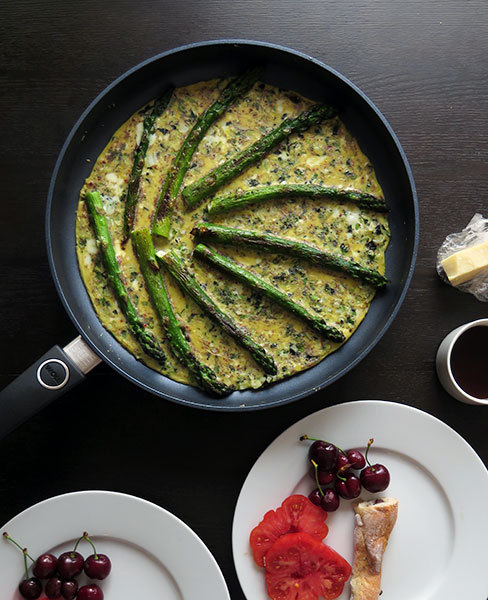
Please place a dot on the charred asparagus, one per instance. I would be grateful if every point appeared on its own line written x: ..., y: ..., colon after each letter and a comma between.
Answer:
x: 138, y: 163
x: 191, y: 286
x: 210, y: 183
x: 234, y: 90
x: 144, y: 249
x: 265, y: 241
x: 280, y: 298
x: 230, y: 201
x: 146, y: 340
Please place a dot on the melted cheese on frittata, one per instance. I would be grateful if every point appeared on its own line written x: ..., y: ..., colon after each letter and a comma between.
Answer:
x: 326, y: 155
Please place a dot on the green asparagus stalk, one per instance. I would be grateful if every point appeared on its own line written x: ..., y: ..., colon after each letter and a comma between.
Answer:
x: 208, y: 184
x: 280, y: 298
x: 146, y: 340
x: 234, y: 90
x: 265, y: 241
x: 144, y: 249
x: 230, y: 201
x: 190, y: 285
x: 138, y: 162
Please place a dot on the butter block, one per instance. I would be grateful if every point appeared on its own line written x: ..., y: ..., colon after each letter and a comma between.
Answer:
x: 466, y: 264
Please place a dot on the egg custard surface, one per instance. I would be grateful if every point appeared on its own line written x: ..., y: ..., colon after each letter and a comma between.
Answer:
x: 326, y: 154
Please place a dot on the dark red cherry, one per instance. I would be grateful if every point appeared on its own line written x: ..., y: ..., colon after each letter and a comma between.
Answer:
x: 349, y: 487
x: 53, y: 587
x: 315, y: 497
x: 375, y: 478
x: 90, y: 592
x: 69, y: 589
x: 97, y: 566
x: 330, y: 501
x: 356, y: 459
x: 30, y: 588
x: 343, y: 464
x: 70, y: 564
x: 45, y: 566
x: 324, y: 454
x: 324, y: 477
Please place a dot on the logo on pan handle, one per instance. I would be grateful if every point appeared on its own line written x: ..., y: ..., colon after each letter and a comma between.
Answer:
x: 53, y: 374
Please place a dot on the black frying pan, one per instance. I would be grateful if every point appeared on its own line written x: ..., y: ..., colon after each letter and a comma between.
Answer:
x: 59, y: 370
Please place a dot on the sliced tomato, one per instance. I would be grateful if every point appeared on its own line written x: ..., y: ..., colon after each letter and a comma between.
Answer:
x: 296, y: 514
x: 300, y: 567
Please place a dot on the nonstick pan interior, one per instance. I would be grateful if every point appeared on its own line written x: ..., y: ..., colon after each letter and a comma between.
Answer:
x: 284, y: 68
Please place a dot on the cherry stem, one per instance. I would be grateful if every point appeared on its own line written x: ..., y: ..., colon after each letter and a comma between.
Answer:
x: 370, y: 442
x: 305, y: 437
x: 85, y: 535
x: 343, y: 468
x: 316, y: 467
x: 24, y: 550
x: 76, y: 545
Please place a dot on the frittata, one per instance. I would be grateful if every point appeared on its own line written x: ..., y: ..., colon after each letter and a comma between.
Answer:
x: 326, y: 154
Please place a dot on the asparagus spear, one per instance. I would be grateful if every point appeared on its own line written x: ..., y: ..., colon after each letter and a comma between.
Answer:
x: 190, y: 285
x: 229, y: 201
x: 138, y: 163
x: 265, y: 241
x: 241, y: 161
x: 146, y: 340
x: 234, y: 90
x: 280, y: 298
x: 144, y: 249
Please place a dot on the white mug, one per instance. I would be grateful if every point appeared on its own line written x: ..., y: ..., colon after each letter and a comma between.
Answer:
x: 443, y: 364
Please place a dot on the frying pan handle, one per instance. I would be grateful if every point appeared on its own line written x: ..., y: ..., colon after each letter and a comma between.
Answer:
x: 56, y: 372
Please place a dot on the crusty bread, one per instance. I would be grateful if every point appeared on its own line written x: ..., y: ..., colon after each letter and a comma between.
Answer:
x: 374, y: 522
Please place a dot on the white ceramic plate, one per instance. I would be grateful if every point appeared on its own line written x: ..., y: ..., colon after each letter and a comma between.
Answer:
x: 153, y: 553
x: 437, y: 550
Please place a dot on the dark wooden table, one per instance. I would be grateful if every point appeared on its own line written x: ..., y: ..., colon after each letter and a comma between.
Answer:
x: 422, y: 63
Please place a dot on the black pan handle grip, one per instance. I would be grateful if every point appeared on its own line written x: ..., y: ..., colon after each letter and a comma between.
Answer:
x: 48, y: 378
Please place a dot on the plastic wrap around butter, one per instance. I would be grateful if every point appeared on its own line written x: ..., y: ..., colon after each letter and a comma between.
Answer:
x: 462, y: 259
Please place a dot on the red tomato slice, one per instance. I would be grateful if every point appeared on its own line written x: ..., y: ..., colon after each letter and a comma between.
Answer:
x: 300, y: 567
x: 296, y: 514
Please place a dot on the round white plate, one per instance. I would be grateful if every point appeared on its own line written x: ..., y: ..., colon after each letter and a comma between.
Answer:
x: 437, y: 550
x: 153, y: 553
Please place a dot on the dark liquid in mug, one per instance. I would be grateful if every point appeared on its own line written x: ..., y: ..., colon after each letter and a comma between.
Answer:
x: 469, y: 361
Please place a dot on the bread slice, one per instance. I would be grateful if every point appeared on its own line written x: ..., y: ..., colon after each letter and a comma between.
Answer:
x: 374, y: 522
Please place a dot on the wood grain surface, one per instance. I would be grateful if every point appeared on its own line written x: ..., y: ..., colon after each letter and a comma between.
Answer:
x: 424, y: 66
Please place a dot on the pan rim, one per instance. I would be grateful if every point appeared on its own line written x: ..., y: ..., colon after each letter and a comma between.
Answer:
x: 308, y: 390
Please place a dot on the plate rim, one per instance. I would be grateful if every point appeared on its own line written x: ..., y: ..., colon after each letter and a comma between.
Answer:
x: 417, y: 413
